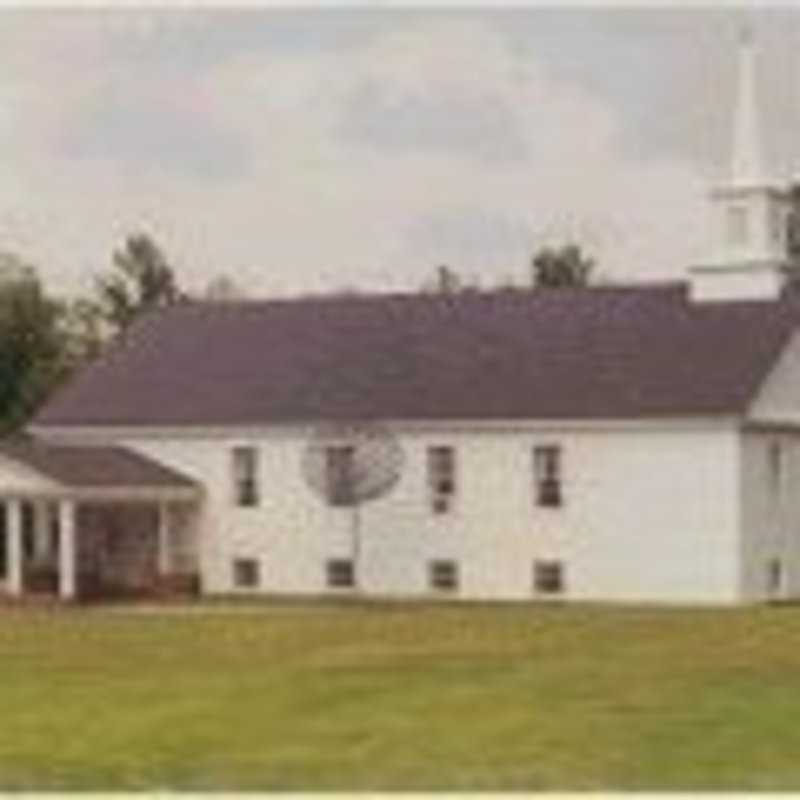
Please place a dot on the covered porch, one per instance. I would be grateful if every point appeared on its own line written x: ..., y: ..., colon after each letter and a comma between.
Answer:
x: 90, y: 522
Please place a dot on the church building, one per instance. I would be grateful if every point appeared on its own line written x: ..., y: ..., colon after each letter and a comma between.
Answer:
x: 615, y: 443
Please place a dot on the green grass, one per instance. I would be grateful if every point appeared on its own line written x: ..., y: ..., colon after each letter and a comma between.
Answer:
x: 401, y: 697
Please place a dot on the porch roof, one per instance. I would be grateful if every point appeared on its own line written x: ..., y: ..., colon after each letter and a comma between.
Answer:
x: 97, y: 469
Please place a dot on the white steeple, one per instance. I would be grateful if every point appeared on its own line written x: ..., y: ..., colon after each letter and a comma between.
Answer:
x: 747, y: 163
x: 748, y: 257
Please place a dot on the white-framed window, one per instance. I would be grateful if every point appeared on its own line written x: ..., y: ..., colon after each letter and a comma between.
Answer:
x: 340, y: 573
x: 737, y: 224
x: 340, y: 474
x: 246, y: 573
x: 443, y: 575
x: 441, y: 477
x: 547, y: 475
x: 548, y: 577
x: 28, y: 529
x: 777, y: 226
x: 774, y: 577
x: 775, y: 463
x: 245, y: 476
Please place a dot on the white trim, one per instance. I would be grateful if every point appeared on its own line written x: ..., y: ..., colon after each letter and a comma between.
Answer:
x: 67, y: 550
x: 14, y: 579
x: 26, y: 472
x: 115, y: 494
x: 732, y: 190
x: 41, y: 533
x: 787, y: 426
x: 48, y: 488
x: 101, y: 435
x: 163, y: 539
x: 135, y: 494
x: 747, y: 265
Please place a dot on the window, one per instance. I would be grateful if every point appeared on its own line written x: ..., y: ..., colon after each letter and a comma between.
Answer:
x: 245, y: 476
x: 441, y: 478
x: 737, y: 226
x: 3, y: 540
x: 774, y: 577
x: 443, y: 576
x: 547, y: 475
x: 340, y: 574
x: 28, y: 530
x: 775, y: 463
x: 340, y: 475
x: 548, y: 577
x: 245, y: 573
x: 54, y: 529
x: 777, y: 224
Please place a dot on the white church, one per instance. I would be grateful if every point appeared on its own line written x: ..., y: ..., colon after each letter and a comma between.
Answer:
x: 637, y: 444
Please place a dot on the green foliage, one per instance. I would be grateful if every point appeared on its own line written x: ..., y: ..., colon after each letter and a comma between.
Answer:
x: 86, y: 332
x: 141, y: 280
x: 32, y: 342
x: 42, y: 340
x: 447, y: 280
x: 561, y: 267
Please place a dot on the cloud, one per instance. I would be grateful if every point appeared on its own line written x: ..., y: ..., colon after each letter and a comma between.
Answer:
x: 294, y: 169
x: 473, y: 123
x: 158, y: 126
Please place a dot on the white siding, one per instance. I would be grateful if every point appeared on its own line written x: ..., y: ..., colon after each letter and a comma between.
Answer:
x: 770, y: 513
x: 648, y: 515
x: 778, y: 400
x: 770, y: 509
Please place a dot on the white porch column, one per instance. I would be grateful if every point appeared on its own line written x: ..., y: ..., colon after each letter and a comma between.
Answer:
x: 41, y: 531
x: 66, y: 551
x: 14, y: 547
x: 163, y: 539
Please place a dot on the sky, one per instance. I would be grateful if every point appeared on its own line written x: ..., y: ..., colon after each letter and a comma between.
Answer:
x: 322, y: 149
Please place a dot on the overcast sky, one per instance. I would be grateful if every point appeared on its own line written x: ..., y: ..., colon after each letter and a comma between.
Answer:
x: 308, y: 150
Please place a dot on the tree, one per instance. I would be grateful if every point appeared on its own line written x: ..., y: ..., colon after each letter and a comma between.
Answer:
x: 33, y: 351
x: 224, y: 289
x: 445, y: 280
x: 559, y: 267
x: 141, y: 280
x: 86, y: 331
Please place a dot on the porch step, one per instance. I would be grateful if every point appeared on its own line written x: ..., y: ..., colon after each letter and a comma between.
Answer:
x: 166, y: 586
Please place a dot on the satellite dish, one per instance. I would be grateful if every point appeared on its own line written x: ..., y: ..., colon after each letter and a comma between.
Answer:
x: 348, y: 465
x: 351, y: 464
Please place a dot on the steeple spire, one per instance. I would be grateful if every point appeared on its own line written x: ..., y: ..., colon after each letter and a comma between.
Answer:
x: 747, y: 166
x: 748, y: 258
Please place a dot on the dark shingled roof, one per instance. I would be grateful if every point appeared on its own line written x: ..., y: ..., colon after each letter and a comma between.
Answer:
x: 93, y: 467
x: 548, y: 354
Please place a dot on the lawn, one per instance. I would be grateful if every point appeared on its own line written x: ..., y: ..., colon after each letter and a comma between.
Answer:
x: 401, y: 697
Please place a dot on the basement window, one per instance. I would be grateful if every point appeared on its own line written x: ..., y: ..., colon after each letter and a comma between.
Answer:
x: 774, y: 577
x: 443, y: 576
x: 340, y: 574
x: 246, y: 573
x: 548, y: 577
